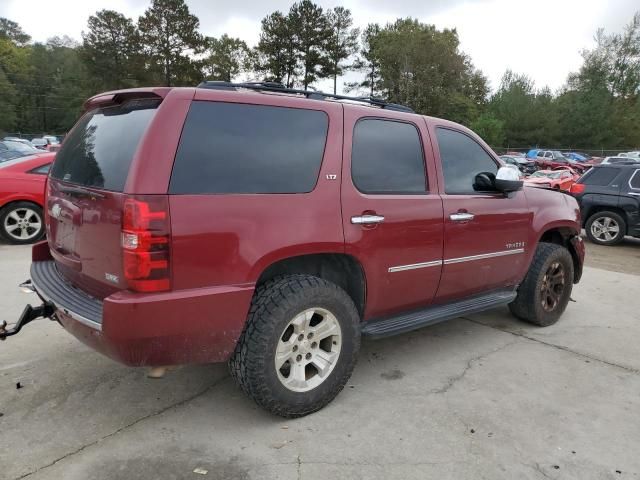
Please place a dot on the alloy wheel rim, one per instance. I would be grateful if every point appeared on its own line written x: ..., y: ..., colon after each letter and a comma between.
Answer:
x: 553, y: 286
x: 605, y: 229
x: 308, y: 349
x: 23, y: 224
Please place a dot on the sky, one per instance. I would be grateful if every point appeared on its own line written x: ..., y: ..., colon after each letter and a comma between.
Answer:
x: 540, y: 38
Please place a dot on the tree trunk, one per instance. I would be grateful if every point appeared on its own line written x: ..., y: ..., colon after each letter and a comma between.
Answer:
x: 167, y: 72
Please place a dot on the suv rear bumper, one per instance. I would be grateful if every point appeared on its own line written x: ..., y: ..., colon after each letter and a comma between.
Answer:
x: 171, y: 328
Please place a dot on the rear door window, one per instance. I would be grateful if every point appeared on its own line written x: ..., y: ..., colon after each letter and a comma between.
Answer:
x: 387, y: 158
x: 600, y: 176
x: 238, y: 148
x: 634, y: 182
x: 99, y: 150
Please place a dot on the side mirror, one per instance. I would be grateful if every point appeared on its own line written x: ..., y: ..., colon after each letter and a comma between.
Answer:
x: 508, y: 180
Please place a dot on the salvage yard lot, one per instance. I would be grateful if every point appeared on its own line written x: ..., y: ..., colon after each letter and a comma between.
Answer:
x: 481, y: 397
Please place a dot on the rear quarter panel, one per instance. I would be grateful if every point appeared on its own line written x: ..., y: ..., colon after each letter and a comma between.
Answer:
x: 232, y: 238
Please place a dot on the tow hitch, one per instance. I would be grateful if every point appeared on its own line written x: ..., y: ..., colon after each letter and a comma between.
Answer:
x: 46, y: 310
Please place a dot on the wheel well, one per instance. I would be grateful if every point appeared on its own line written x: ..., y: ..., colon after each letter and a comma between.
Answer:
x: 343, y: 270
x: 8, y: 204
x: 562, y: 236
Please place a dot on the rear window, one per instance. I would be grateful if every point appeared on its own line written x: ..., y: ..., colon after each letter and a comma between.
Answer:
x: 99, y: 150
x: 599, y: 176
x: 238, y: 148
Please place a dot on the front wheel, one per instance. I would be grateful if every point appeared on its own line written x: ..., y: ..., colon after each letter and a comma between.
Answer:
x: 299, y: 345
x: 21, y: 223
x: 546, y: 289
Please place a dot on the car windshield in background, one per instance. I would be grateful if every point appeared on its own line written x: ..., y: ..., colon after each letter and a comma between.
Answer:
x: 546, y: 175
x: 99, y: 151
x: 10, y: 150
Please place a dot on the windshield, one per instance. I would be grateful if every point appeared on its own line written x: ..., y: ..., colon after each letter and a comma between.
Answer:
x: 10, y: 150
x: 99, y: 150
x: 546, y: 174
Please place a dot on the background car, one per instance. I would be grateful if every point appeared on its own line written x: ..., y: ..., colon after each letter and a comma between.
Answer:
x: 618, y: 159
x: 635, y: 154
x: 19, y: 140
x: 609, y: 198
x: 557, y: 179
x: 10, y: 149
x: 523, y: 164
x: 550, y: 159
x: 22, y: 183
x: 40, y: 143
x: 575, y: 156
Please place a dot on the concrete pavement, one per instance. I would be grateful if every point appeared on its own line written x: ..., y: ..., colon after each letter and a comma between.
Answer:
x: 483, y: 397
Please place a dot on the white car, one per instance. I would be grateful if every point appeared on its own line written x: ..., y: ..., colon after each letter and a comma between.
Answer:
x: 619, y: 159
x: 634, y: 155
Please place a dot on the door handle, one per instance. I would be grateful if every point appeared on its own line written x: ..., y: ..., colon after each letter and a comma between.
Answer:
x: 461, y: 217
x: 367, y: 219
x: 634, y: 194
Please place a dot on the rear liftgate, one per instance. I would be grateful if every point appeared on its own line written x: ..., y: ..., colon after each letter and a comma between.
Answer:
x: 46, y: 310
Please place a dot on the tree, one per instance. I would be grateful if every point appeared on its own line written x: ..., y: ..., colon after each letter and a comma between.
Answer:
x: 311, y: 31
x: 228, y: 57
x: 13, y: 32
x: 422, y: 67
x: 275, y: 55
x: 367, y: 62
x: 342, y: 43
x: 169, y: 34
x: 490, y: 129
x: 111, y: 49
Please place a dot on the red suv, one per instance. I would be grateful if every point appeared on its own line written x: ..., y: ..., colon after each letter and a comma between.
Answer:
x: 271, y: 228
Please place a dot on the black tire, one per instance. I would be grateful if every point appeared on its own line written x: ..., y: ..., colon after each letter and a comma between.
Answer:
x: 20, y: 209
x: 531, y: 304
x: 275, y: 304
x: 601, y: 218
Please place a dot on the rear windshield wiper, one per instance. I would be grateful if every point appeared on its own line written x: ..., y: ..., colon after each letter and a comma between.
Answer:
x: 79, y: 191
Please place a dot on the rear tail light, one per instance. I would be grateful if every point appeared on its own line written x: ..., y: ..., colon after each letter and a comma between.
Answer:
x: 145, y: 243
x: 577, y: 188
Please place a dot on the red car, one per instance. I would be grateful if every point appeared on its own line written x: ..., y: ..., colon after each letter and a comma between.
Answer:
x: 559, y: 179
x: 271, y: 228
x: 22, y: 183
x: 551, y: 159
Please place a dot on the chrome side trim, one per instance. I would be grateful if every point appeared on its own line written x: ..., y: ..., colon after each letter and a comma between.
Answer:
x: 483, y: 256
x: 75, y: 316
x: 413, y: 266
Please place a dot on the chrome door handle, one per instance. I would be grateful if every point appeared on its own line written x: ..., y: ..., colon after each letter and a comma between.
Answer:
x: 367, y: 219
x: 461, y: 217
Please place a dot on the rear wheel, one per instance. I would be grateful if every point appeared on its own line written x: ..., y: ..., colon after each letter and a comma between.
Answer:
x: 299, y: 346
x: 21, y: 223
x: 606, y: 228
x: 546, y: 289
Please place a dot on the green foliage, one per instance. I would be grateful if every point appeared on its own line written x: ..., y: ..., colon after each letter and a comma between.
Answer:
x: 422, y: 67
x: 490, y: 129
x: 275, y: 56
x: 13, y: 32
x: 342, y: 42
x: 367, y: 62
x: 169, y: 34
x: 111, y: 51
x: 227, y: 58
x: 43, y: 85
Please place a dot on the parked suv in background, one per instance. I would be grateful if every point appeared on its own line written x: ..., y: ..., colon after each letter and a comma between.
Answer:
x: 271, y: 228
x: 609, y: 197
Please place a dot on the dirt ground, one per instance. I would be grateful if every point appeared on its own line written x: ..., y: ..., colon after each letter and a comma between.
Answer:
x: 623, y: 258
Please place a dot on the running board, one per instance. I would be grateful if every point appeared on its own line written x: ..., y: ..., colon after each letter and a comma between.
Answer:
x: 406, y: 322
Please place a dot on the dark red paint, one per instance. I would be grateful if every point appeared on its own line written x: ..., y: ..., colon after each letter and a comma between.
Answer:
x: 221, y: 244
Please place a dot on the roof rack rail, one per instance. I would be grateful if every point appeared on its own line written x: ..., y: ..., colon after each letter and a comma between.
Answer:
x: 311, y: 94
